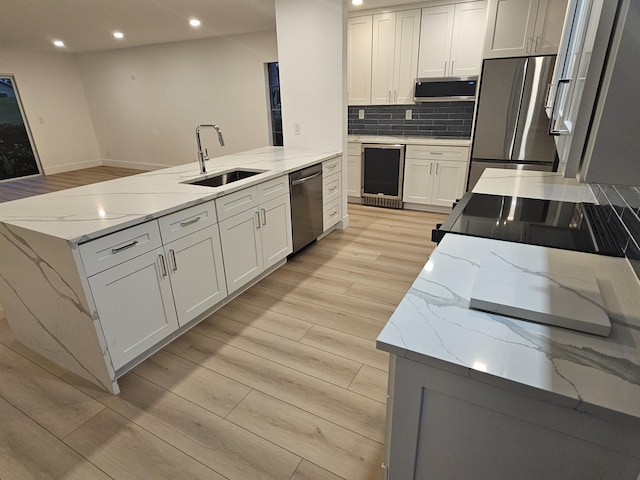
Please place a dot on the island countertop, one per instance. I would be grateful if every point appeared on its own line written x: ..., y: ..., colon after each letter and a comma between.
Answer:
x: 84, y: 213
x: 434, y: 324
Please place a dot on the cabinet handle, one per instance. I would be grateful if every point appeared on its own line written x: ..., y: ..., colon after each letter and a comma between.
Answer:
x: 163, y: 265
x: 436, y: 153
x: 536, y: 46
x: 452, y: 64
x: 437, y: 165
x: 264, y: 216
x: 445, y: 68
x: 331, y: 167
x: 528, y: 45
x: 124, y: 247
x: 334, y: 213
x: 190, y: 222
x: 331, y: 189
x: 431, y: 168
x: 173, y: 259
x: 395, y: 96
x: 257, y: 219
x: 389, y: 97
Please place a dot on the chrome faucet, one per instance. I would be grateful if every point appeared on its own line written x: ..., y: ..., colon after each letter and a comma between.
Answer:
x: 203, y: 155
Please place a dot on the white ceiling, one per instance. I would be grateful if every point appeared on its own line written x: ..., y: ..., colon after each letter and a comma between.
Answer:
x: 87, y: 25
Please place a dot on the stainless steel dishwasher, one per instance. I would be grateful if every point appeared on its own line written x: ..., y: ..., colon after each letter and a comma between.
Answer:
x: 306, y: 205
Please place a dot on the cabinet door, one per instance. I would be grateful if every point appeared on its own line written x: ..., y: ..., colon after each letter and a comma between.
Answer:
x: 135, y: 305
x: 467, y: 39
x: 435, y: 41
x: 406, y: 55
x: 448, y: 182
x: 359, y: 60
x: 240, y: 237
x: 418, y: 177
x: 549, y: 23
x: 196, y: 272
x: 354, y: 173
x: 384, y: 35
x: 510, y: 27
x: 275, y: 230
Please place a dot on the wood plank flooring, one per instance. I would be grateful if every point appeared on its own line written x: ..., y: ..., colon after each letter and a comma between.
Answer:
x: 284, y: 383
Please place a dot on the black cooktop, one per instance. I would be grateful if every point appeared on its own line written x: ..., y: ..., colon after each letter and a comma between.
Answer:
x: 581, y: 227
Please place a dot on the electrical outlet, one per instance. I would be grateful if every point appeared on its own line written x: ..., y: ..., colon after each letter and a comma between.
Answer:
x: 361, y: 114
x: 296, y: 129
x: 407, y: 114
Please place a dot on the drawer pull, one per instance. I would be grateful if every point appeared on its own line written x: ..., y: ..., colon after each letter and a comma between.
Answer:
x: 190, y: 222
x: 124, y: 247
x: 436, y: 153
x: 334, y: 213
x: 264, y: 216
x: 331, y: 167
x: 257, y: 219
x: 332, y: 188
x: 173, y: 259
x: 163, y: 265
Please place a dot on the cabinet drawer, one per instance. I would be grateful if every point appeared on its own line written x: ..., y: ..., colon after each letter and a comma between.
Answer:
x: 331, y: 187
x: 273, y: 188
x: 111, y: 250
x: 236, y: 202
x: 187, y: 221
x: 331, y: 166
x: 354, y: 149
x: 435, y: 152
x: 331, y: 214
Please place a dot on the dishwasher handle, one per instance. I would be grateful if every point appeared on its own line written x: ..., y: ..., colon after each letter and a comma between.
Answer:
x: 304, y: 179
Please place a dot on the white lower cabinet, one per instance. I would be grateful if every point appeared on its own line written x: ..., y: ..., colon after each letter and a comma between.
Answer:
x: 135, y: 305
x: 196, y: 273
x: 354, y: 169
x: 434, y: 175
x: 331, y: 192
x: 256, y: 239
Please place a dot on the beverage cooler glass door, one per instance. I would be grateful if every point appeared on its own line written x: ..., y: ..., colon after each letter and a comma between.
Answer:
x: 382, y: 171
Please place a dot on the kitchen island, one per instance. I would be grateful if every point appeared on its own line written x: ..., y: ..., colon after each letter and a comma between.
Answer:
x: 153, y: 240
x: 480, y: 395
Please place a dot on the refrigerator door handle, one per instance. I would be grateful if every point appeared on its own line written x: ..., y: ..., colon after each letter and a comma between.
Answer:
x: 554, y: 109
x: 512, y: 141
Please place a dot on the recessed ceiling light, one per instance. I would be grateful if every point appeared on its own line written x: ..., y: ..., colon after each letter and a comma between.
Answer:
x: 118, y: 35
x: 356, y: 2
x: 58, y: 43
x: 194, y: 22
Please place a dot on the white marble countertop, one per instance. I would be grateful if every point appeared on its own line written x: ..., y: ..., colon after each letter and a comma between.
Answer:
x: 434, y: 325
x: 531, y: 184
x: 410, y: 140
x: 81, y: 214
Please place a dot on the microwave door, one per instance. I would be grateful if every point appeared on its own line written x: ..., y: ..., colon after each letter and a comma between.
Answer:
x: 498, y: 108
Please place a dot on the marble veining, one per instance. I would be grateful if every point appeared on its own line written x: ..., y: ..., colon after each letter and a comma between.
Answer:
x: 412, y: 140
x: 434, y: 324
x: 532, y: 184
x: 84, y: 213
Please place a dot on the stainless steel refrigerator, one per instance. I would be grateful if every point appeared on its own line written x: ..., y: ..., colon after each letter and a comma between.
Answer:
x: 512, y: 128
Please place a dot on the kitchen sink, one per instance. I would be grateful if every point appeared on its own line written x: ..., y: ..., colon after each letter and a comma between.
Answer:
x: 225, y: 178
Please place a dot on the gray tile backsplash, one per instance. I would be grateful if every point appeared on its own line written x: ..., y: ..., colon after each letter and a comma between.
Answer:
x: 625, y: 211
x: 434, y: 119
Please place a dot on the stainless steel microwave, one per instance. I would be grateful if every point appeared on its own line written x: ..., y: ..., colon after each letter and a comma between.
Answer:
x: 445, y: 89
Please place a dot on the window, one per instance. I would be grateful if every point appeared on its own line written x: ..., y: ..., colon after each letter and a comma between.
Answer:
x: 17, y: 155
x: 274, y: 100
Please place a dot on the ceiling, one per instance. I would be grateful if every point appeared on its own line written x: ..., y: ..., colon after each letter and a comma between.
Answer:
x: 88, y: 25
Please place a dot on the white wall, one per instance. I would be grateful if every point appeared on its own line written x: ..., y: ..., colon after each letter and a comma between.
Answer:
x: 55, y: 104
x: 311, y: 52
x: 147, y: 101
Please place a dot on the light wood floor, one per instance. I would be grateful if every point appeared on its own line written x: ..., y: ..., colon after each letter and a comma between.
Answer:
x: 283, y: 383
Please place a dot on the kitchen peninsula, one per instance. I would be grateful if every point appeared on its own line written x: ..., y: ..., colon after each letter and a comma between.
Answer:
x: 480, y: 395
x: 62, y: 251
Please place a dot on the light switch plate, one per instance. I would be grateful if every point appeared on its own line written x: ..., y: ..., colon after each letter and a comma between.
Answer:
x: 408, y: 114
x: 361, y: 114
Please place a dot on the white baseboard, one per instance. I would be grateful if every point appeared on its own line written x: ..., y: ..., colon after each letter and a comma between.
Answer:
x: 52, y: 170
x: 133, y: 165
x: 427, y: 208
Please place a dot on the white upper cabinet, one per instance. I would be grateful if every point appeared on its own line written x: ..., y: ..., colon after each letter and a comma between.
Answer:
x: 359, y: 60
x: 451, y: 39
x: 394, y: 56
x: 524, y: 27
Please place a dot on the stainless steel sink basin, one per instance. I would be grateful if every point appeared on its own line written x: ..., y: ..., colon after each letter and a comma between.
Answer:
x: 225, y: 178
